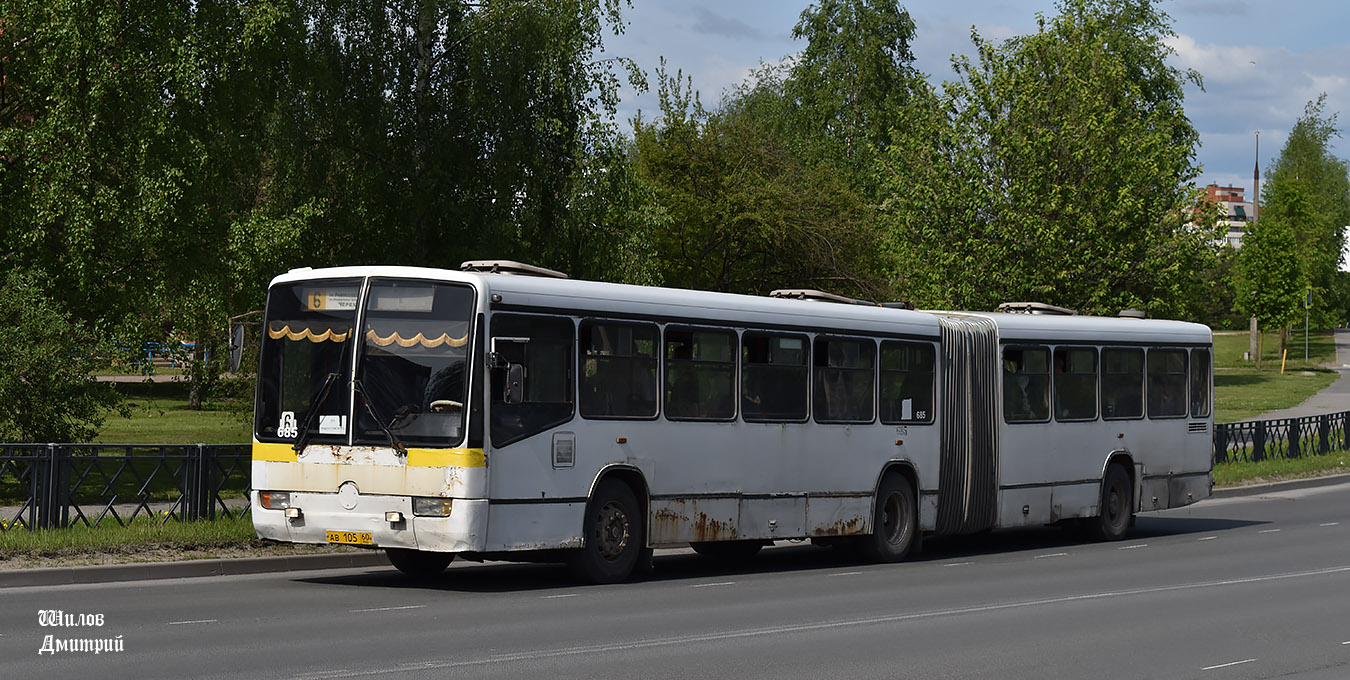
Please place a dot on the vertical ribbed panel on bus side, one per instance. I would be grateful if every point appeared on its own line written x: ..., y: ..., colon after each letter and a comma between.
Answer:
x: 968, y: 475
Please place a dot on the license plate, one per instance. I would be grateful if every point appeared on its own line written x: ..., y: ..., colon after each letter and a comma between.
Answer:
x: 350, y: 537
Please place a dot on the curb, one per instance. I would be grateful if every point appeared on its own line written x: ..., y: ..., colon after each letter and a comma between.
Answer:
x: 1271, y: 487
x: 147, y: 571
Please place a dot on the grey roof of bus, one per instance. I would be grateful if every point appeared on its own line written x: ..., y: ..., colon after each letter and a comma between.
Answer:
x: 599, y: 296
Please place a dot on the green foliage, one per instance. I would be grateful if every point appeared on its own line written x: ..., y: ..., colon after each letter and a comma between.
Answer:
x: 1055, y: 169
x: 747, y: 211
x: 48, y: 358
x: 1308, y: 190
x: 1269, y: 281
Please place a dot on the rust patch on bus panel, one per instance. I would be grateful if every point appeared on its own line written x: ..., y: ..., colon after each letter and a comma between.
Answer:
x: 666, y: 524
x: 841, y: 527
x: 709, y: 529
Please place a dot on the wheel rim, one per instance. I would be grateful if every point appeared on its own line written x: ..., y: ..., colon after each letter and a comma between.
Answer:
x: 894, y: 524
x: 1115, y: 504
x: 612, y: 531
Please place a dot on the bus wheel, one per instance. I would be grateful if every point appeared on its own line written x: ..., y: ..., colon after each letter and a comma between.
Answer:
x: 895, y: 524
x: 613, y: 535
x: 1114, y: 518
x: 727, y: 551
x: 419, y: 563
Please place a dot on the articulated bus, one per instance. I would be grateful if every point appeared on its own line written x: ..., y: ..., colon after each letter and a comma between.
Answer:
x: 508, y: 412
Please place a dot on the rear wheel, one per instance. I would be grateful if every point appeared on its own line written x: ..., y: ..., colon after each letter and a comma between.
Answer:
x: 419, y: 563
x: 1116, y: 508
x: 895, y: 523
x: 613, y: 539
x: 727, y: 551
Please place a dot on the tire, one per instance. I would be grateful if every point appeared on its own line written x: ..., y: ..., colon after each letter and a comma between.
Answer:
x: 1117, y: 506
x: 895, y: 523
x: 419, y: 563
x: 727, y: 552
x: 612, y: 535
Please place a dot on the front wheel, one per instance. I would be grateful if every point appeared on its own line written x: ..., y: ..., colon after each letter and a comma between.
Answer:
x: 612, y: 535
x: 895, y: 523
x: 418, y: 563
x: 1113, y: 519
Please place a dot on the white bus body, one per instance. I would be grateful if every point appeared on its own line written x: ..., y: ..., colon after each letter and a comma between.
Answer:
x: 600, y: 368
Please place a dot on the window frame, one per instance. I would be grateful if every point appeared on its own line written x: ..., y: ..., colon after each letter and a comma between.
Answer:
x: 1207, y: 382
x: 745, y: 366
x: 1143, y: 379
x: 1096, y: 382
x: 1185, y: 382
x: 1049, y: 382
x: 733, y: 364
x: 584, y: 324
x: 931, y: 373
x: 494, y: 394
x: 816, y: 369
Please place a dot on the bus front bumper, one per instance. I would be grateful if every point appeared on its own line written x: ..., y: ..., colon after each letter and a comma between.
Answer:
x: 322, y: 518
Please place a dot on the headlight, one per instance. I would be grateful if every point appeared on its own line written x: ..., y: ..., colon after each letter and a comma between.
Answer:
x: 431, y: 507
x: 274, y: 500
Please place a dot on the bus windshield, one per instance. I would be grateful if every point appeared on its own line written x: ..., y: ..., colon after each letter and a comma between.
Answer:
x: 411, y: 346
x: 411, y: 375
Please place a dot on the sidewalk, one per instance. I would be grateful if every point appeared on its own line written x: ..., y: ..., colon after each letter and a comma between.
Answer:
x: 1334, y: 398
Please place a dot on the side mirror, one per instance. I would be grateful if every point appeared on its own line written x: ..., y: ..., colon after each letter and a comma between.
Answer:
x: 515, y: 384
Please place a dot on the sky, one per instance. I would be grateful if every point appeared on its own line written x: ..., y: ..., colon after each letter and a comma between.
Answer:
x: 1261, y: 61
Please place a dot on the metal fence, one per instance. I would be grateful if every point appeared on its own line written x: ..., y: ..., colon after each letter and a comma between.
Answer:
x: 49, y: 486
x: 1257, y: 440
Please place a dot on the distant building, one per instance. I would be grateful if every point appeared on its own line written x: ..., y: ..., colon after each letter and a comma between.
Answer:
x: 1237, y: 212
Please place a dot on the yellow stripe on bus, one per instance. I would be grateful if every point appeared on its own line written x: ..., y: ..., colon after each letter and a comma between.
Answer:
x: 446, y: 458
x: 278, y: 453
x: 284, y: 453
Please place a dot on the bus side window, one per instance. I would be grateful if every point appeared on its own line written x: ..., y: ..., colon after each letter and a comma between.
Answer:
x: 774, y: 377
x: 1075, y: 383
x: 906, y: 384
x: 618, y: 370
x: 1167, y: 383
x: 1026, y: 384
x: 844, y: 372
x: 700, y: 374
x: 547, y: 359
x: 1199, y: 383
x: 1122, y: 383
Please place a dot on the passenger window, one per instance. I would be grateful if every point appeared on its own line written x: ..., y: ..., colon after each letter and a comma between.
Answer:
x: 845, y: 371
x: 1122, y: 383
x: 1199, y: 383
x: 1167, y: 383
x: 548, y: 387
x: 906, y: 383
x: 1075, y: 383
x: 700, y: 374
x: 1026, y: 384
x: 618, y: 370
x: 773, y: 377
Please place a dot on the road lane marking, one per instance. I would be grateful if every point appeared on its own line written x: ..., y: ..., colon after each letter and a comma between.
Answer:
x: 1226, y: 665
x: 1328, y: 524
x: 847, y: 573
x: 1347, y: 642
x: 1267, y: 531
x: 183, y: 623
x: 1132, y: 547
x: 387, y: 609
x: 1041, y: 557
x: 712, y: 585
x: 1207, y: 538
x: 958, y: 564
x: 769, y: 631
x: 558, y: 597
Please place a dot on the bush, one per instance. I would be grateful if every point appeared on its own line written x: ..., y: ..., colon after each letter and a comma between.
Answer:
x: 47, y: 384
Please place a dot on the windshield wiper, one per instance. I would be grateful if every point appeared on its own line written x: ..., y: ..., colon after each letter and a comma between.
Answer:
x: 315, y: 402
x: 370, y: 408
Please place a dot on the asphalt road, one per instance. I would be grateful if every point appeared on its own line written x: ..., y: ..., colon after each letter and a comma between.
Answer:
x: 1248, y: 587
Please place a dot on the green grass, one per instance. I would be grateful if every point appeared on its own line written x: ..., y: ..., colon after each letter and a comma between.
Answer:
x: 1280, y: 469
x: 1229, y: 346
x: 160, y: 415
x: 1244, y: 393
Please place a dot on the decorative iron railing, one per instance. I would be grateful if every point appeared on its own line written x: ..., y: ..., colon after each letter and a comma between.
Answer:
x: 49, y: 486
x: 1257, y: 440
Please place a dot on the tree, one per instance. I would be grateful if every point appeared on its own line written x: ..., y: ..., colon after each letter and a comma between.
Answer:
x: 744, y: 211
x: 1308, y: 189
x: 49, y: 358
x: 1057, y: 168
x: 1270, y: 280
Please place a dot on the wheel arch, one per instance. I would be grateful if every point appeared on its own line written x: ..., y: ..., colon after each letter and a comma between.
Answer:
x: 635, y: 480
